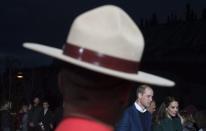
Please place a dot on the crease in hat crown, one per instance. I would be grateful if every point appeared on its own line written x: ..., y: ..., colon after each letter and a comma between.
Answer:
x: 108, y: 30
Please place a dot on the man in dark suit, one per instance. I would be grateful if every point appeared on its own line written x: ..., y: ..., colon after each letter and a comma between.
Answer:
x: 46, y: 118
x: 136, y: 117
x: 35, y: 115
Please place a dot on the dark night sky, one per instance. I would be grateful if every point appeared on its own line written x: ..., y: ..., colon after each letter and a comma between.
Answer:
x: 48, y: 22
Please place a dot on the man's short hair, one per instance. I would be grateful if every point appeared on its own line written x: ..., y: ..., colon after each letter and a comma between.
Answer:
x: 141, y: 89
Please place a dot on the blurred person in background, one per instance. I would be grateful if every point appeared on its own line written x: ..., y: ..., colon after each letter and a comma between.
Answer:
x: 24, y: 118
x: 200, y: 118
x: 187, y: 121
x: 46, y: 117
x: 152, y: 107
x: 35, y: 115
x: 6, y: 117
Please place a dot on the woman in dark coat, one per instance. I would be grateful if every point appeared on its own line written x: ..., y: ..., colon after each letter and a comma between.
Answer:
x: 167, y: 118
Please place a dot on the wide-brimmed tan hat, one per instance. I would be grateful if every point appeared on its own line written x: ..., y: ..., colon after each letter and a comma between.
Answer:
x: 104, y: 40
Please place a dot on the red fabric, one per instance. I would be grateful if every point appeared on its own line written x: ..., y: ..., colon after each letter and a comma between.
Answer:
x: 81, y: 124
x: 103, y: 60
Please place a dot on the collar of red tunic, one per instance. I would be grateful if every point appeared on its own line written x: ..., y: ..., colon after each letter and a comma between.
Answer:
x: 82, y: 124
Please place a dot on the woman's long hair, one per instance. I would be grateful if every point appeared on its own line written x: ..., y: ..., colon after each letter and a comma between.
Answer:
x: 162, y: 113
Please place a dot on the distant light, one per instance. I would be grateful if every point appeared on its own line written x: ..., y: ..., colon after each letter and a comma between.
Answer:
x: 20, y: 75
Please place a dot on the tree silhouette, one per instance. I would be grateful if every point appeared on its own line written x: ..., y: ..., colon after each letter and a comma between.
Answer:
x: 203, y: 16
x: 154, y: 20
x: 190, y: 15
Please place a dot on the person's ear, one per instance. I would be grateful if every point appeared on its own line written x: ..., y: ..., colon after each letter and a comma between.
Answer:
x: 139, y: 95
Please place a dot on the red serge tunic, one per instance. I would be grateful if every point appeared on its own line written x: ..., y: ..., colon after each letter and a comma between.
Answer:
x: 82, y: 124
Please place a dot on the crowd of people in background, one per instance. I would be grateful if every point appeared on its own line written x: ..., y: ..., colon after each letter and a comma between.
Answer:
x: 30, y: 117
x: 166, y: 117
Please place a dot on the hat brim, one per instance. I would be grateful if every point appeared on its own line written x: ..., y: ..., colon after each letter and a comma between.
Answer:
x: 141, y: 77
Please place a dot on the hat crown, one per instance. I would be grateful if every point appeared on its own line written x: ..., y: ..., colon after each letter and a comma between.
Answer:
x: 108, y: 30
